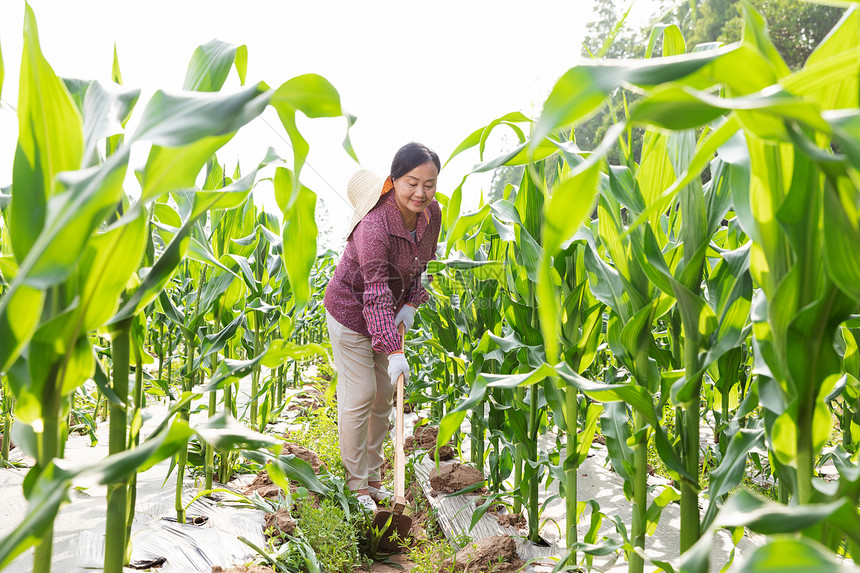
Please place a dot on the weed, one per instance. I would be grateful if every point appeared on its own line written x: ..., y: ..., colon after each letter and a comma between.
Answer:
x: 319, y: 433
x: 325, y: 371
x: 333, y: 536
x: 429, y: 556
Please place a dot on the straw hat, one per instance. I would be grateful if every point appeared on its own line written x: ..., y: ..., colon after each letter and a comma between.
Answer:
x: 363, y: 191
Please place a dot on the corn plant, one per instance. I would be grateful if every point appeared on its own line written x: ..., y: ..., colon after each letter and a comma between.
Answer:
x: 69, y: 221
x: 688, y: 270
x: 564, y: 101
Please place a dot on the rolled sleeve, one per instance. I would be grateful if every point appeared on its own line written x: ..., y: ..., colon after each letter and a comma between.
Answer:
x: 372, y: 246
x: 417, y: 294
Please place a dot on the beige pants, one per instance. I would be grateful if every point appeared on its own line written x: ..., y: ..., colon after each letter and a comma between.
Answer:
x: 364, y: 402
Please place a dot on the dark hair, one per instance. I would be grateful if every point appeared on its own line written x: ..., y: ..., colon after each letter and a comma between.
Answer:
x: 411, y: 156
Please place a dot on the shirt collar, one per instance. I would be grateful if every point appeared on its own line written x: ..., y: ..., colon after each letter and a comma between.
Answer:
x: 396, y: 219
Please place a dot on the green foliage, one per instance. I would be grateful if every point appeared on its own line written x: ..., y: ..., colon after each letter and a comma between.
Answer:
x: 428, y: 557
x: 318, y: 432
x: 332, y: 535
x: 86, y: 256
x: 721, y: 263
x: 719, y: 278
x: 795, y: 28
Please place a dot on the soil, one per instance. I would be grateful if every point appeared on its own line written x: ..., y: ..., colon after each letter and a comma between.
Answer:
x: 598, y: 439
x: 397, y: 563
x: 263, y: 485
x: 500, y: 512
x: 281, y: 521
x: 451, y: 478
x: 243, y: 569
x: 310, y: 399
x: 497, y: 554
x: 516, y: 520
x: 424, y: 438
x: 303, y: 453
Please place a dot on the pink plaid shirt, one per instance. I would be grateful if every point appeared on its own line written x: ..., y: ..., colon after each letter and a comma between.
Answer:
x: 380, y: 271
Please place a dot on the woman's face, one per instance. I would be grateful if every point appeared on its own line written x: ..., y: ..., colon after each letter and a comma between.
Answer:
x: 414, y: 191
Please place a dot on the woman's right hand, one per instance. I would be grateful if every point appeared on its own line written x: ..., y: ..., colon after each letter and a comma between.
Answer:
x: 397, y: 365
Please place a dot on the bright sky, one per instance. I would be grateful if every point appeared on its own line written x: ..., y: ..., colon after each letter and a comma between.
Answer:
x: 431, y: 72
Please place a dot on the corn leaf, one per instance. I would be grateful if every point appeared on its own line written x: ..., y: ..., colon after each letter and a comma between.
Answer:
x: 211, y: 63
x: 50, y: 140
x: 615, y: 427
x: 655, y: 510
x: 109, y: 260
x: 165, y: 267
x: 106, y: 109
x: 480, y: 135
x: 300, y: 241
x: 312, y: 95
x: 281, y: 350
x: 830, y: 74
x: 571, y: 200
x: 841, y: 235
x: 792, y: 555
x: 222, y: 431
x: 729, y: 473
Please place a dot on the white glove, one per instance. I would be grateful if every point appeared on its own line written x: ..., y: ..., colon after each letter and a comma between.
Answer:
x: 406, y: 315
x: 397, y: 365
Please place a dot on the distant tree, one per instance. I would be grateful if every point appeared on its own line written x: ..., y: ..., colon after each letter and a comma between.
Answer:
x: 703, y: 22
x: 607, y: 36
x: 502, y: 177
x: 795, y: 28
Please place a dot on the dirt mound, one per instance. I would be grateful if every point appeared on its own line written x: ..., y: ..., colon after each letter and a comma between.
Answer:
x: 446, y: 453
x: 511, y: 520
x: 243, y: 569
x: 451, y: 478
x: 424, y: 438
x: 303, y: 453
x: 281, y: 521
x: 263, y: 485
x: 500, y: 512
x: 497, y: 554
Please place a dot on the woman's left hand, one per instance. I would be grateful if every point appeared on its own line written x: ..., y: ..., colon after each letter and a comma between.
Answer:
x: 406, y: 315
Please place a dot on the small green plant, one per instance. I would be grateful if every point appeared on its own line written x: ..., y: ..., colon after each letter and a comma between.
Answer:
x: 325, y: 370
x: 319, y: 433
x: 332, y: 535
x: 429, y: 556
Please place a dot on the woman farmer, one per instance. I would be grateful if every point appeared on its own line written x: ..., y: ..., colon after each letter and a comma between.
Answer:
x: 375, y: 287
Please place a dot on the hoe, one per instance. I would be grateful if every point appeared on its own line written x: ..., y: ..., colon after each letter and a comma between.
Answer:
x: 393, y: 523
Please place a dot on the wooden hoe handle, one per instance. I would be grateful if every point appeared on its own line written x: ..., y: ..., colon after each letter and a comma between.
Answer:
x: 399, y: 454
